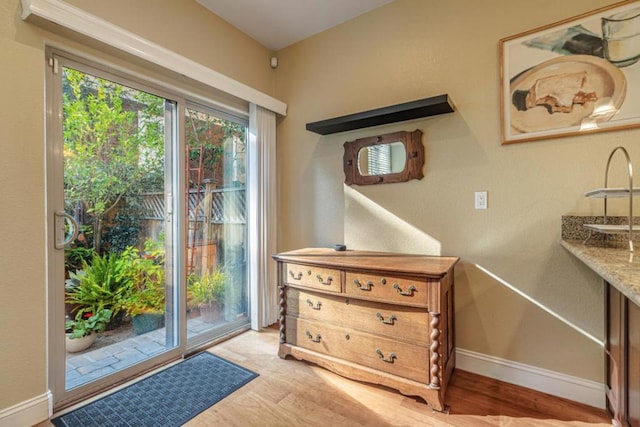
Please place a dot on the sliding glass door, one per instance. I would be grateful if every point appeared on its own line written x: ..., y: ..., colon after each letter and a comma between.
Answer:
x: 113, y: 289
x: 147, y: 202
x: 217, y: 292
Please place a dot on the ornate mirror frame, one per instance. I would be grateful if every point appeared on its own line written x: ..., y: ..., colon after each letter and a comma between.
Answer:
x: 414, y: 163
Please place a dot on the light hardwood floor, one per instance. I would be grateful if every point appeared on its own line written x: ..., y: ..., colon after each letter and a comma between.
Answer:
x: 293, y: 393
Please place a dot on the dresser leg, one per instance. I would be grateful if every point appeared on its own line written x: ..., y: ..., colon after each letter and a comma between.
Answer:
x: 434, y: 347
x: 283, y: 312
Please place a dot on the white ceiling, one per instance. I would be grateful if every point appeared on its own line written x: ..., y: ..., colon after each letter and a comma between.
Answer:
x: 279, y: 23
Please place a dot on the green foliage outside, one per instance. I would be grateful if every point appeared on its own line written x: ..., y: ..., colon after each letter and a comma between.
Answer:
x: 113, y: 154
x: 131, y: 281
x: 113, y: 145
x: 123, y: 229
x: 145, y: 272
x: 74, y: 257
x: 83, y: 325
x: 102, y: 283
x: 207, y: 288
x: 211, y: 133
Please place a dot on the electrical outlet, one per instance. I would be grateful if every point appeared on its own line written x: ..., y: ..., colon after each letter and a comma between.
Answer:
x: 481, y: 200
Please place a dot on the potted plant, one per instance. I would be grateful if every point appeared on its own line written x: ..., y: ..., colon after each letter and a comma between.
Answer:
x: 145, y: 297
x: 145, y: 305
x: 207, y: 293
x: 81, y: 332
x: 101, y: 283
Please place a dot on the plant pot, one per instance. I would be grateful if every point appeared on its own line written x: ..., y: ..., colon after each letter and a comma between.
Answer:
x: 75, y: 345
x: 210, y: 313
x: 147, y: 322
x: 193, y: 313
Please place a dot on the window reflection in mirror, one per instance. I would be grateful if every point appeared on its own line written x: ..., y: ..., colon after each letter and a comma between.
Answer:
x: 382, y: 159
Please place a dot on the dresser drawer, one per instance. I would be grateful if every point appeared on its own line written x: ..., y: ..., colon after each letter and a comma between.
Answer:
x: 394, y: 321
x: 388, y: 289
x: 397, y: 358
x: 325, y: 279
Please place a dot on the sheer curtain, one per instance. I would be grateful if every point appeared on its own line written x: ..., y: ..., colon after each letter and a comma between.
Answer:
x: 262, y: 216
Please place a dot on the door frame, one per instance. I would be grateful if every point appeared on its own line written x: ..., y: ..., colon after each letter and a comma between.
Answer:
x: 174, y: 197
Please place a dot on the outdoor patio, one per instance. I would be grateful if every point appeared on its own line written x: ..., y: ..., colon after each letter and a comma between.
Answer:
x: 98, y: 361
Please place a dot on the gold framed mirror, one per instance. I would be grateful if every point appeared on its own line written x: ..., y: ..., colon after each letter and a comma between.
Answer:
x: 384, y: 159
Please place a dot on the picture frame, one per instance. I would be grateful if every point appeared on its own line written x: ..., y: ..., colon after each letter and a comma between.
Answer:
x: 577, y: 76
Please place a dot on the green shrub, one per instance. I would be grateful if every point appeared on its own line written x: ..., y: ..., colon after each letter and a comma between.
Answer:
x: 208, y: 288
x: 103, y: 283
x: 86, y: 323
x: 146, y: 277
x: 75, y: 256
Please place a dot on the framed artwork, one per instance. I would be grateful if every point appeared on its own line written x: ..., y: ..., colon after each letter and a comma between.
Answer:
x: 575, y: 76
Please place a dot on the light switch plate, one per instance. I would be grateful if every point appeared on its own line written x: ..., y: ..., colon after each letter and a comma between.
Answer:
x: 481, y: 200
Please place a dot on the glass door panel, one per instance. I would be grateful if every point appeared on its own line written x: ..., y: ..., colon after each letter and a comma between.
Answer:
x: 148, y: 255
x: 116, y: 186
x: 217, y: 284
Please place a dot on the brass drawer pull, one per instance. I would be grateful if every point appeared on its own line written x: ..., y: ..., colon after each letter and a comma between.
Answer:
x: 390, y: 359
x: 317, y: 306
x: 362, y: 287
x: 389, y: 321
x: 316, y: 339
x: 407, y: 293
x: 294, y: 277
x: 328, y: 282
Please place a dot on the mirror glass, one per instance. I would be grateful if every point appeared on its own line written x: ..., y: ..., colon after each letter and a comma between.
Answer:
x: 382, y: 159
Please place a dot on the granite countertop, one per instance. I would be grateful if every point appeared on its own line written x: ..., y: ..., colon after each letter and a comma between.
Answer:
x: 616, y: 265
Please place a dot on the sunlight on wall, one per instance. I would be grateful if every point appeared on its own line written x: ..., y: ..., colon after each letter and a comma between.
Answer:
x: 541, y: 306
x: 372, y: 227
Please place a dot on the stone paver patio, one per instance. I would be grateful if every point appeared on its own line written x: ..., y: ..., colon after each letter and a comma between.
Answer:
x: 93, y: 364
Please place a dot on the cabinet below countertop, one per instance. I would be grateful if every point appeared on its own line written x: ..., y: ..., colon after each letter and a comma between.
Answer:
x: 621, y: 274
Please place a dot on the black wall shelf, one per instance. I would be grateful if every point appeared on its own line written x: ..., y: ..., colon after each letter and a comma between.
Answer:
x: 433, y: 106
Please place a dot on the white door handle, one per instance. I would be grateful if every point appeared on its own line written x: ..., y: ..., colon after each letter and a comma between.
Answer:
x: 60, y: 218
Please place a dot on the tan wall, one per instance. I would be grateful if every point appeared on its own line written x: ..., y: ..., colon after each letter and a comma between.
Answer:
x: 182, y: 26
x: 191, y: 30
x: 412, y: 49
x: 22, y: 254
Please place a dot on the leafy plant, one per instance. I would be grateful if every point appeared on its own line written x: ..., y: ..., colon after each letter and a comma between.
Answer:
x: 86, y: 323
x: 208, y: 288
x: 147, y: 300
x: 75, y: 256
x: 113, y: 144
x: 101, y: 284
x: 146, y: 277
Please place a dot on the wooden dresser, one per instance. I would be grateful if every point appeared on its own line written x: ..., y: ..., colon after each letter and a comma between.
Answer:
x: 377, y: 317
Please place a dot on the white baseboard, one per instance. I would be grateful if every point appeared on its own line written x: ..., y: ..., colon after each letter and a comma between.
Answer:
x: 573, y: 388
x: 29, y: 412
